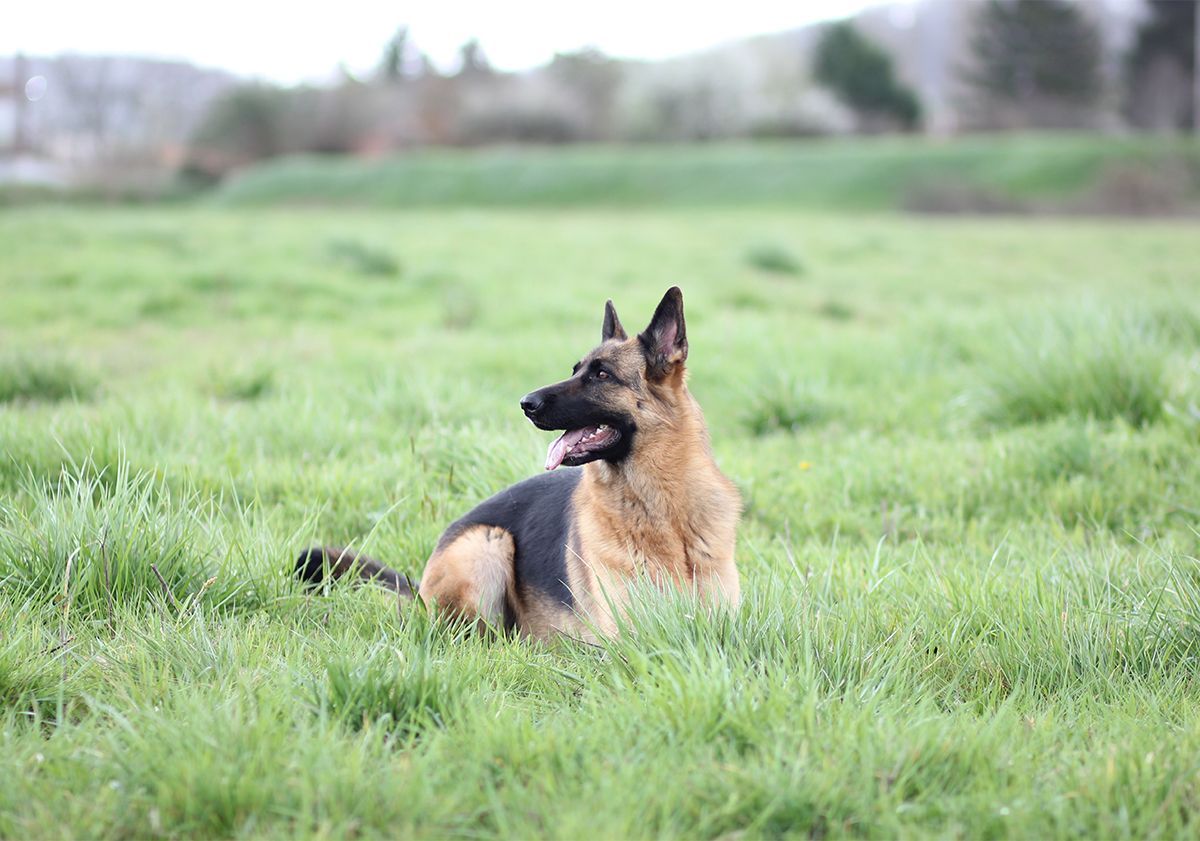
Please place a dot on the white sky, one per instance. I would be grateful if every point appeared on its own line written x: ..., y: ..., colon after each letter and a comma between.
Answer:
x: 284, y: 42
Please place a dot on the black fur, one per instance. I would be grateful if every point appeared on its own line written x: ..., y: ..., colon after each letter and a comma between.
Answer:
x: 665, y: 340
x: 315, y: 564
x: 537, y: 513
x: 582, y: 400
x: 612, y: 325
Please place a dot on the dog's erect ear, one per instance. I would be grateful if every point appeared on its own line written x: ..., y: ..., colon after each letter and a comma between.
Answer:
x: 612, y: 324
x: 665, y: 340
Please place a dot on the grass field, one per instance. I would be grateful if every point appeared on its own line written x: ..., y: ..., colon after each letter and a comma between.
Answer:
x: 968, y: 451
x: 1010, y: 171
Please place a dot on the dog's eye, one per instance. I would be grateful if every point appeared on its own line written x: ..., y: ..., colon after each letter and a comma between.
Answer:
x: 602, y: 374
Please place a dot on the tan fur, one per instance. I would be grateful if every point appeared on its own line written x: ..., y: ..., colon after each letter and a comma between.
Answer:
x: 542, y: 619
x: 469, y: 577
x: 665, y: 513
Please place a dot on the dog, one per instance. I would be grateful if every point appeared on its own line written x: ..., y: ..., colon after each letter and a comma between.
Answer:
x: 631, y: 491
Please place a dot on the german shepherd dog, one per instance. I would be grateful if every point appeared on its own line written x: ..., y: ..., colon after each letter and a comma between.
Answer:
x: 631, y: 491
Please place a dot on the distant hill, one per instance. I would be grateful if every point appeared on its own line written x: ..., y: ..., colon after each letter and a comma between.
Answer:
x: 974, y: 174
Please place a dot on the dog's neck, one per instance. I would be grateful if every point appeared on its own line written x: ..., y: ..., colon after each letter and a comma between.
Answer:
x: 664, y: 467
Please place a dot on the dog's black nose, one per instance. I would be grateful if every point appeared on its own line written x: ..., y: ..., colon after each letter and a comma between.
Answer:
x: 533, y: 403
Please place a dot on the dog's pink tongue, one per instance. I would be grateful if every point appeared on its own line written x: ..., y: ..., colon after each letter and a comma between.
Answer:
x: 561, y: 446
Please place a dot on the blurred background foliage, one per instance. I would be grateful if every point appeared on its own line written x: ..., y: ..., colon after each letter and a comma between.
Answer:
x: 122, y: 126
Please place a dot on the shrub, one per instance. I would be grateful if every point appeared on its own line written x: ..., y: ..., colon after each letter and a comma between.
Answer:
x: 363, y: 259
x: 773, y: 258
x: 246, y: 385
x: 97, y: 537
x: 784, y: 404
x: 836, y: 310
x: 1101, y: 365
x: 36, y: 378
x: 951, y: 195
x: 405, y: 696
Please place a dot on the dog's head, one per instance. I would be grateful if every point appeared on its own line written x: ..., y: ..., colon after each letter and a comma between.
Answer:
x: 623, y: 389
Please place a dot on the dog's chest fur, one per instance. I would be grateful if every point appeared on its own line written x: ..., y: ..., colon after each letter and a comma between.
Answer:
x: 678, y: 532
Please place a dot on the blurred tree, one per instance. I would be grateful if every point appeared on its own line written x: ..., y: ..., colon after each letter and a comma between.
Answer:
x: 592, y: 79
x: 860, y: 74
x: 509, y: 124
x: 255, y: 122
x: 1037, y: 64
x: 20, y: 110
x: 427, y: 67
x: 248, y: 124
x: 330, y: 121
x: 472, y: 61
x: 392, y: 66
x: 1161, y: 67
x: 90, y: 86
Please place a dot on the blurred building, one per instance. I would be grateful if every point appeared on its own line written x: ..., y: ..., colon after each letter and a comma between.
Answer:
x: 100, y: 117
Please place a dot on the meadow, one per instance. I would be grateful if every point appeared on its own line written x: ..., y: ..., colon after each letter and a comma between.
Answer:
x: 967, y: 448
x: 1022, y: 172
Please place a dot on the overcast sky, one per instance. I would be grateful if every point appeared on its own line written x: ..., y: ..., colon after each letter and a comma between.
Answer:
x: 285, y: 42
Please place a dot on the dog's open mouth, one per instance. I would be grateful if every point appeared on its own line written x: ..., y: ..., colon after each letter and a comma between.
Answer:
x: 575, y: 445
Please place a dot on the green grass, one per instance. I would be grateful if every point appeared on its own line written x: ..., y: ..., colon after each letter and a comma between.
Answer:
x: 1095, y: 364
x: 980, y: 173
x: 28, y: 375
x: 771, y: 258
x: 784, y: 404
x: 970, y: 554
x: 363, y: 258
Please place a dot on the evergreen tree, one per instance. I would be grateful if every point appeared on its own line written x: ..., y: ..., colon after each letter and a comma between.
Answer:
x: 860, y: 74
x: 1036, y: 63
x: 395, y: 52
x: 1161, y: 66
x: 472, y: 60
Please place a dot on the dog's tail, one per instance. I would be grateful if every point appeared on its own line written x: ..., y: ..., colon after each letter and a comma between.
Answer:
x: 330, y: 563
